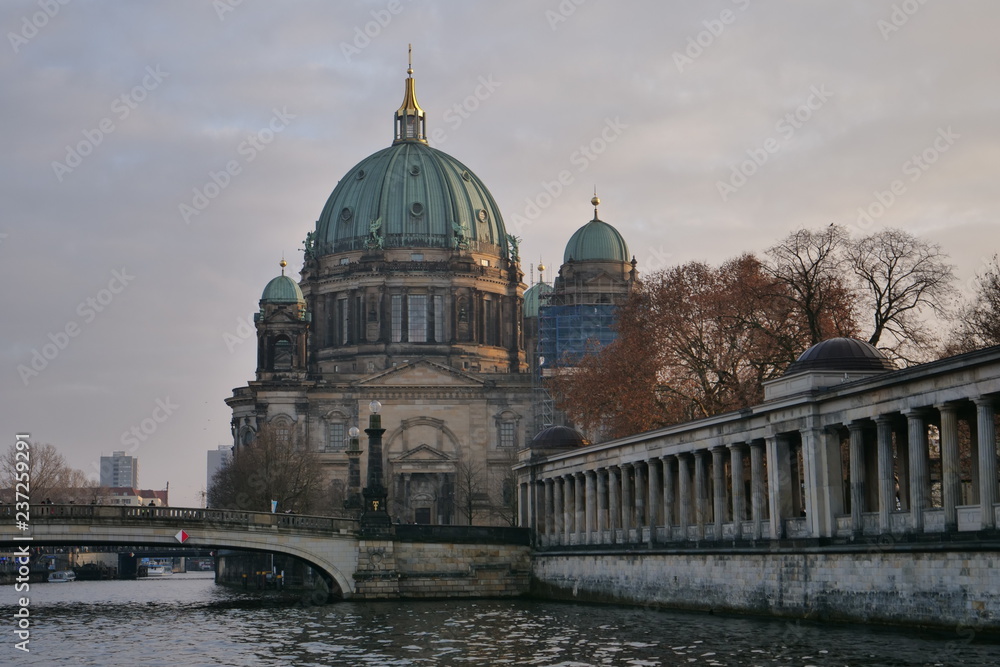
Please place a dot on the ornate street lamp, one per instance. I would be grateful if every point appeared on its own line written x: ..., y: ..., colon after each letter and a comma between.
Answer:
x: 375, y: 517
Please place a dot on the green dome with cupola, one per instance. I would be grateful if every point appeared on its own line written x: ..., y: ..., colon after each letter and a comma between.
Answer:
x: 282, y: 289
x: 596, y: 241
x: 410, y: 195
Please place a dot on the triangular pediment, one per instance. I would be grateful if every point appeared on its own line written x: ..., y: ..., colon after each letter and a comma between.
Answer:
x: 604, y: 279
x: 423, y: 453
x: 421, y: 373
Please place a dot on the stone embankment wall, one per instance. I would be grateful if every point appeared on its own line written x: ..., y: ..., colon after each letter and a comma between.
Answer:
x: 444, y: 562
x: 462, y: 570
x: 946, y: 589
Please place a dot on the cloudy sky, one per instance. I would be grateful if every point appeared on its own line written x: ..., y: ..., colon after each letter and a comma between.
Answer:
x: 159, y: 158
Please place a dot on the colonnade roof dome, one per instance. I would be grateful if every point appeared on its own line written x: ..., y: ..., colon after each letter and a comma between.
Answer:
x: 410, y: 195
x: 841, y: 354
x: 558, y: 437
x: 596, y: 241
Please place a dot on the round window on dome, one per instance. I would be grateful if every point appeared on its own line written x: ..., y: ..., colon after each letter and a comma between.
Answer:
x: 416, y: 208
x: 361, y: 174
x: 482, y: 215
x: 466, y: 176
x: 346, y: 214
x: 415, y: 170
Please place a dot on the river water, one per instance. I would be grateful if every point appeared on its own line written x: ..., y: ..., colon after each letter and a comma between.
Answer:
x: 186, y: 619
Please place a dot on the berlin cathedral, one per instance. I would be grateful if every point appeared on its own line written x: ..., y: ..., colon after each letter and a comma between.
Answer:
x: 412, y: 294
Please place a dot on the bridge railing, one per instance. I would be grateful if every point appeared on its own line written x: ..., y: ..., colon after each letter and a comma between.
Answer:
x: 180, y: 515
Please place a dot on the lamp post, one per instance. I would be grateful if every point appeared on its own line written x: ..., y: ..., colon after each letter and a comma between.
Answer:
x: 353, y: 451
x: 375, y: 517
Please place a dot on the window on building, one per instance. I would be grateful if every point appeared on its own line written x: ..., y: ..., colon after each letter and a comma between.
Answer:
x: 397, y: 318
x: 417, y: 318
x: 336, y: 440
x: 507, y: 434
x: 283, y: 433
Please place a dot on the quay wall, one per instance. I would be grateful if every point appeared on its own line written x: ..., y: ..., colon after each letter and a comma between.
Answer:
x: 445, y: 570
x: 945, y: 589
x: 426, y: 562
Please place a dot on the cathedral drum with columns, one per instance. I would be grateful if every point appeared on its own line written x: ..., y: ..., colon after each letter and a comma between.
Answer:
x: 411, y: 294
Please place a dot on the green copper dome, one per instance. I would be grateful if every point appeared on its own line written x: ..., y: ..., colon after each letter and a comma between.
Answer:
x: 533, y: 298
x: 596, y: 241
x: 410, y: 195
x: 282, y: 290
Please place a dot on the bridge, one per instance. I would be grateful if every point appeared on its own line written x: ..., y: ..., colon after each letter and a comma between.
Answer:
x: 406, y: 561
x: 328, y: 544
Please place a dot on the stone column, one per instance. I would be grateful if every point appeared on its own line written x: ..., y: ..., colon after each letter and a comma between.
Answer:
x: 549, y: 511
x: 919, y: 481
x: 639, y: 495
x: 668, y: 494
x: 684, y: 491
x: 556, y: 493
x: 538, y: 509
x: 736, y: 479
x: 779, y: 478
x: 971, y: 419
x: 950, y: 477
x: 857, y: 476
x: 987, y: 438
x: 614, y: 502
x: 655, y: 497
x: 757, y: 496
x: 718, y: 489
x: 627, y: 500
x: 886, y: 483
x: 579, y: 504
x: 590, y: 521
x: 523, y: 512
x: 569, y: 512
x: 603, y: 519
x: 700, y: 493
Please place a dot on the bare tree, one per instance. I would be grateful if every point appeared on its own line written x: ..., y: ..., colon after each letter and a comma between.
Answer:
x: 470, y: 489
x: 503, y: 488
x: 901, y: 278
x: 979, y: 319
x: 808, y: 266
x: 50, y: 478
x: 271, y: 468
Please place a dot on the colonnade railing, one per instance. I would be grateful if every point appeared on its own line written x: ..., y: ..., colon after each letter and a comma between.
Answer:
x: 906, y: 452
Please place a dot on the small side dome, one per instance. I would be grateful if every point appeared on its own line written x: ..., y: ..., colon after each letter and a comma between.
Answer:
x: 558, y: 437
x: 596, y: 241
x: 282, y: 290
x: 841, y: 354
x: 533, y: 298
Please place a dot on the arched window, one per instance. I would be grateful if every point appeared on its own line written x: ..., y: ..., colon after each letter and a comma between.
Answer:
x: 282, y: 354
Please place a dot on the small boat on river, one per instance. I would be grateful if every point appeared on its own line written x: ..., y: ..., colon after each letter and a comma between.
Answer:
x: 62, y: 576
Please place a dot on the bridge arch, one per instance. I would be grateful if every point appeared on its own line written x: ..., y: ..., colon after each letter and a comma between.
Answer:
x: 329, y: 545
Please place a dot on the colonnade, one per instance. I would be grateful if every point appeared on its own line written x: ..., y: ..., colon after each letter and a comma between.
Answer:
x: 929, y: 469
